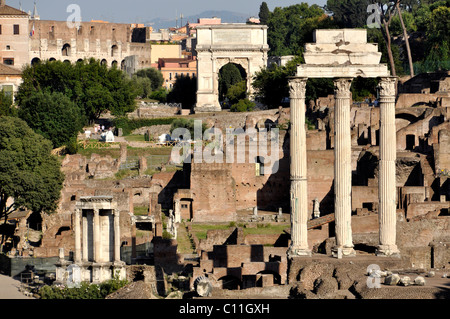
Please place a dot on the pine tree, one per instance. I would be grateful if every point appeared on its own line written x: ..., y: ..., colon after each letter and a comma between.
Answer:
x: 264, y: 13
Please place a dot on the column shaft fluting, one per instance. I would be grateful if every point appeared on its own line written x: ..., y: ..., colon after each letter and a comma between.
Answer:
x: 85, y: 238
x: 387, y: 169
x: 342, y: 168
x: 299, y: 181
x: 77, y: 229
x: 116, y: 235
x: 97, y: 241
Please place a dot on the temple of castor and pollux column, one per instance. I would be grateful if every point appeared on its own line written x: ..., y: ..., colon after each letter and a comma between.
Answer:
x: 367, y: 186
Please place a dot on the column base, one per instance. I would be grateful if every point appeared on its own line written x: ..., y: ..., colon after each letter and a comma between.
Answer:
x: 339, y: 252
x: 388, y: 251
x: 298, y: 252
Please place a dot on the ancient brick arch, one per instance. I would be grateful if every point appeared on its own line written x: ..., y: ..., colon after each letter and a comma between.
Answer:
x: 218, y: 45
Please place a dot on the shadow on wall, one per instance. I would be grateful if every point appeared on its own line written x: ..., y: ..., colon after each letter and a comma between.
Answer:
x: 275, y: 192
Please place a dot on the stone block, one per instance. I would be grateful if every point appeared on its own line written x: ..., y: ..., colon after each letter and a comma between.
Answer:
x: 392, y: 280
x: 340, y: 35
x: 419, y: 281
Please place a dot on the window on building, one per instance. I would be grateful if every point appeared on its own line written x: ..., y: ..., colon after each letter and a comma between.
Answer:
x: 8, y: 61
x: 8, y: 47
x: 170, y: 76
x: 0, y: 29
x: 8, y: 90
x: 259, y: 166
x: 16, y: 29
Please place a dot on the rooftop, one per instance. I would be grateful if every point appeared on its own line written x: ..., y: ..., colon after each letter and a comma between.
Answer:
x: 10, y: 11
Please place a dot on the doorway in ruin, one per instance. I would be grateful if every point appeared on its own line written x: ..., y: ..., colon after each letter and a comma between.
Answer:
x: 410, y: 142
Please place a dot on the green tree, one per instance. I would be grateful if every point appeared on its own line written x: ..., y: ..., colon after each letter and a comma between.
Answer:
x: 438, y: 40
x: 237, y: 92
x: 264, y: 13
x: 291, y: 27
x: 81, y: 82
x: 154, y: 75
x: 229, y: 75
x: 6, y: 105
x: 142, y: 86
x: 29, y: 175
x: 244, y: 105
x: 349, y: 13
x: 54, y: 116
x: 184, y: 91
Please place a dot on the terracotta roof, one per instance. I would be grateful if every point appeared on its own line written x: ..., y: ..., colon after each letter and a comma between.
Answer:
x: 7, y: 70
x: 7, y: 10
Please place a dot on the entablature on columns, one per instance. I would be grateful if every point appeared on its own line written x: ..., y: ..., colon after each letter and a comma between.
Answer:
x: 96, y: 203
x: 339, y: 71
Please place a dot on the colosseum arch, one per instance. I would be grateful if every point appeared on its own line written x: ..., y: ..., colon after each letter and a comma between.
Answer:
x: 218, y: 45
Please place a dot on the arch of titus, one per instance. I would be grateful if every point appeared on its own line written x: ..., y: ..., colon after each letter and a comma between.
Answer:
x: 343, y: 55
x: 218, y: 45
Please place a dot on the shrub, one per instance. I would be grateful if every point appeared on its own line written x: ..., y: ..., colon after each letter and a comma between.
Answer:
x: 84, y: 291
x: 129, y: 126
x: 243, y: 106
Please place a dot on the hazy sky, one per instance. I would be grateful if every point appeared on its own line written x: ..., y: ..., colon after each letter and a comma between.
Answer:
x: 140, y: 11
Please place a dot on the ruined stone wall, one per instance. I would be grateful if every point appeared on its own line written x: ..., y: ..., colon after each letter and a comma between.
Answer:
x: 213, y: 192
x: 108, y: 42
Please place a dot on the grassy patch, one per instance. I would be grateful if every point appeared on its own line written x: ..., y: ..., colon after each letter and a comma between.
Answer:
x: 141, y: 210
x: 126, y: 173
x: 135, y: 138
x: 201, y: 230
x: 115, y: 153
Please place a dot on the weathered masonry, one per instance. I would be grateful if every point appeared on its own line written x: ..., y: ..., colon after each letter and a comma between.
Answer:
x: 343, y: 55
x: 97, y: 240
x: 218, y: 45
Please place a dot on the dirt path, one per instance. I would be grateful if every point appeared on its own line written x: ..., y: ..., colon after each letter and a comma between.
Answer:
x: 9, y: 288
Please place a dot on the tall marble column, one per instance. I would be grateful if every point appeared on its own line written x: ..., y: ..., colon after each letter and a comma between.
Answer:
x: 387, y: 164
x: 299, y: 181
x: 97, y: 241
x: 77, y: 226
x: 343, y: 169
x: 116, y: 235
x: 85, y: 238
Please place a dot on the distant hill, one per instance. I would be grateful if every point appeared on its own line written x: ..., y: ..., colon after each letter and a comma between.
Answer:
x: 226, y: 16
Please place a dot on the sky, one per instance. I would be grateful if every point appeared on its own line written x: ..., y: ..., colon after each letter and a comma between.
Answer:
x: 141, y: 11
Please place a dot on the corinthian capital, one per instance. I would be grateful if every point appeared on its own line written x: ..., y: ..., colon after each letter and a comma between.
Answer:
x: 297, y: 88
x: 387, y: 87
x: 342, y: 87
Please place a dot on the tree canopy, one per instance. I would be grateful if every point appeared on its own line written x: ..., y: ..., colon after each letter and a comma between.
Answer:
x: 54, y: 116
x: 291, y: 27
x: 229, y: 75
x: 6, y: 105
x: 29, y: 174
x: 184, y: 91
x: 92, y: 86
x: 154, y: 75
x: 264, y: 13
